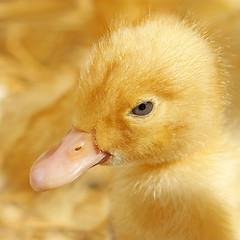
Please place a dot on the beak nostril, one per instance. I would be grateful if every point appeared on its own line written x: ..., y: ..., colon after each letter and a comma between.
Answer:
x: 77, y: 148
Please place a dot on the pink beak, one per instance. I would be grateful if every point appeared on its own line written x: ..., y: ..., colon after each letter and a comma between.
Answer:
x: 63, y: 163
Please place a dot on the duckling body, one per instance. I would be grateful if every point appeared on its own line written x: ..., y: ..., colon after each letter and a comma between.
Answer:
x: 195, y: 198
x: 151, y: 99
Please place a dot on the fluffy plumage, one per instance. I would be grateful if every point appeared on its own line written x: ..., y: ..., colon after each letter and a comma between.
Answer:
x: 177, y: 173
x: 176, y: 167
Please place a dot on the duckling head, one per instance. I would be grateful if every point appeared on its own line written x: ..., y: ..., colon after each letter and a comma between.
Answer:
x: 147, y: 94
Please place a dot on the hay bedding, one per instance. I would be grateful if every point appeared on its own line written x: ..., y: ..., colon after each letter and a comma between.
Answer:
x: 41, y: 45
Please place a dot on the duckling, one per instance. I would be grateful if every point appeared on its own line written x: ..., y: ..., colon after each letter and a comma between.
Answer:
x: 150, y: 102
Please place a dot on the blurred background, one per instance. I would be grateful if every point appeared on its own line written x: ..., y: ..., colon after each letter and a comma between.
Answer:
x: 41, y: 46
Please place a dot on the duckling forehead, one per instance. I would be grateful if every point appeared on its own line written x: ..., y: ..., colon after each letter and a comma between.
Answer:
x: 118, y: 81
x: 168, y: 53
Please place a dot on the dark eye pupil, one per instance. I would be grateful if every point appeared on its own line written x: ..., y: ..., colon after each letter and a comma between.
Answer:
x: 142, y: 106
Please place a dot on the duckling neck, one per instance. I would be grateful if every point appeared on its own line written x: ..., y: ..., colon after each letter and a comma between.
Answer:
x: 174, y: 197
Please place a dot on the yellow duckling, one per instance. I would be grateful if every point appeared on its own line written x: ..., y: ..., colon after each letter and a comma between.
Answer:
x: 150, y: 101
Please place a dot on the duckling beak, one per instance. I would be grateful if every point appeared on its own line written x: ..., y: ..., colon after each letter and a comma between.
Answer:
x: 63, y: 163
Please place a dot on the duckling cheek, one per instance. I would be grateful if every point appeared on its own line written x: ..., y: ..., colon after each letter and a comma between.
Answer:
x: 62, y: 164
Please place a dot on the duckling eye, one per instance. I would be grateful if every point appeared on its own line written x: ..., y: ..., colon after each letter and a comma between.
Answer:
x: 143, y: 109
